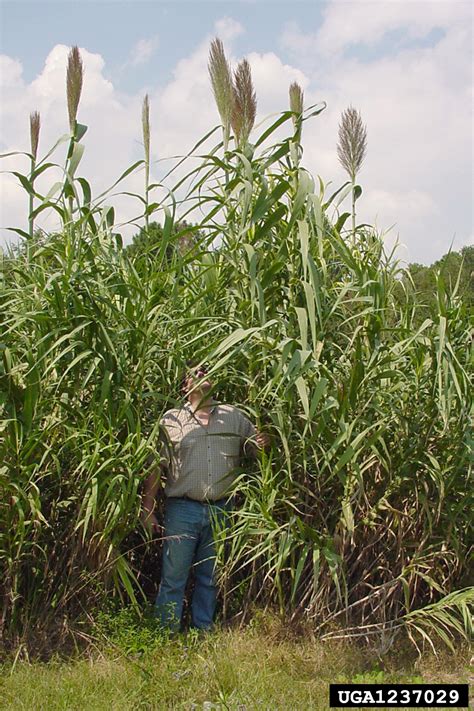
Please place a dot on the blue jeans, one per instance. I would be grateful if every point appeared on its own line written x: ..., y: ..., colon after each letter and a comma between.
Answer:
x: 189, y: 542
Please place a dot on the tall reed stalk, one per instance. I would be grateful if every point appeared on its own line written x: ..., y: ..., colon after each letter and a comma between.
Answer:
x: 222, y: 86
x: 351, y: 149
x: 74, y: 81
x: 35, y: 124
x: 146, y: 145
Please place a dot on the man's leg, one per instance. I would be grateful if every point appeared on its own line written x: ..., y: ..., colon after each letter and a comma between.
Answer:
x: 205, y: 589
x: 181, y: 538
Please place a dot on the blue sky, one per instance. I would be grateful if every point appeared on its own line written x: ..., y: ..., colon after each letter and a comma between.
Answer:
x: 407, y: 66
x: 113, y: 28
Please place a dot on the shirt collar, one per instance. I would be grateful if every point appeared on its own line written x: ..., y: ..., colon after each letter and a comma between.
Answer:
x: 189, y: 409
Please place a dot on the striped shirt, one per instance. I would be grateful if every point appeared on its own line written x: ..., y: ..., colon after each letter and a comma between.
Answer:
x: 200, y: 461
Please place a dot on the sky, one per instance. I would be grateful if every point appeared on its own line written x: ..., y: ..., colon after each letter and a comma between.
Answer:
x: 406, y: 66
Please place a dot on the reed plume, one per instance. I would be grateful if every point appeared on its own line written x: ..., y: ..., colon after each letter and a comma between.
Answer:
x: 74, y: 78
x: 351, y: 151
x: 296, y: 100
x: 352, y: 146
x: 296, y: 106
x: 35, y: 125
x: 222, y: 86
x: 244, y: 108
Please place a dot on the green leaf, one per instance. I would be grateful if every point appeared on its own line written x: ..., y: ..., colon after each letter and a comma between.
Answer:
x: 77, y: 153
x: 348, y: 516
x: 303, y: 232
x: 80, y: 131
x: 318, y: 392
x: 303, y: 326
x: 342, y: 221
x: 25, y: 182
x: 303, y: 393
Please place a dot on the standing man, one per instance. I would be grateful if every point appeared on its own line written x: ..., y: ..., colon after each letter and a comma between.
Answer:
x: 205, y: 442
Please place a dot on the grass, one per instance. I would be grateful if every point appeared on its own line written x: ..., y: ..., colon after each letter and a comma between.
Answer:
x: 263, y: 666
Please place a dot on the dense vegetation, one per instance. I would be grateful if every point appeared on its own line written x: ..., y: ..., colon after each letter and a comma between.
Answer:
x: 360, y: 517
x: 454, y: 272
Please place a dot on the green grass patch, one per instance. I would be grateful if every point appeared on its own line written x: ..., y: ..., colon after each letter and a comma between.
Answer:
x: 264, y: 666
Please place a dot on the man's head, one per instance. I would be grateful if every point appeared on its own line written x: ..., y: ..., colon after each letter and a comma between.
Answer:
x: 195, y: 380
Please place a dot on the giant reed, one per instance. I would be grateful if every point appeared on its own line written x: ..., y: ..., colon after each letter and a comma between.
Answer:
x: 358, y: 517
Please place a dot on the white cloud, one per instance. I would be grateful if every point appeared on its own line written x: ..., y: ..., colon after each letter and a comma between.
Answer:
x: 181, y: 113
x: 10, y: 71
x: 415, y: 203
x: 417, y: 107
x: 143, y: 50
x: 272, y: 79
x: 186, y: 109
x: 367, y: 23
x: 111, y: 142
x: 228, y: 29
x: 415, y: 102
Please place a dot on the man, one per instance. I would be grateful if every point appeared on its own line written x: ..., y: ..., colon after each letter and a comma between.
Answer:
x: 205, y: 442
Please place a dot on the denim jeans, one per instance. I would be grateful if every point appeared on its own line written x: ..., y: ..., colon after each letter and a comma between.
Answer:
x: 189, y: 543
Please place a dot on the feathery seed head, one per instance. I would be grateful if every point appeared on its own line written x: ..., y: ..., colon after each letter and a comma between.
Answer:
x: 146, y: 126
x: 221, y: 80
x: 245, y: 103
x: 35, y: 125
x: 296, y: 100
x: 296, y: 106
x: 74, y: 77
x: 352, y: 145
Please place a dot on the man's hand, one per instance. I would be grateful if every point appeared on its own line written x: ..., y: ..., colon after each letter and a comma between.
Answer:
x: 263, y: 440
x: 150, y: 522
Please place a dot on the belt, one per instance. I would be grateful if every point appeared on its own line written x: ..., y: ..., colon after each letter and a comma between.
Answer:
x: 197, y: 501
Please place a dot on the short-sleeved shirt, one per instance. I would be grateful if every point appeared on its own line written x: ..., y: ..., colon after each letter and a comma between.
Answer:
x: 200, y: 461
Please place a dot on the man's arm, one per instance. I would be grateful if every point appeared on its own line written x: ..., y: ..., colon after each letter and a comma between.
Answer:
x: 152, y: 485
x: 253, y: 439
x: 263, y: 440
x: 157, y: 468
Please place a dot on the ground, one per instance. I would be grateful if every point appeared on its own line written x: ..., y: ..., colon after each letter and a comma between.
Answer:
x: 264, y: 666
